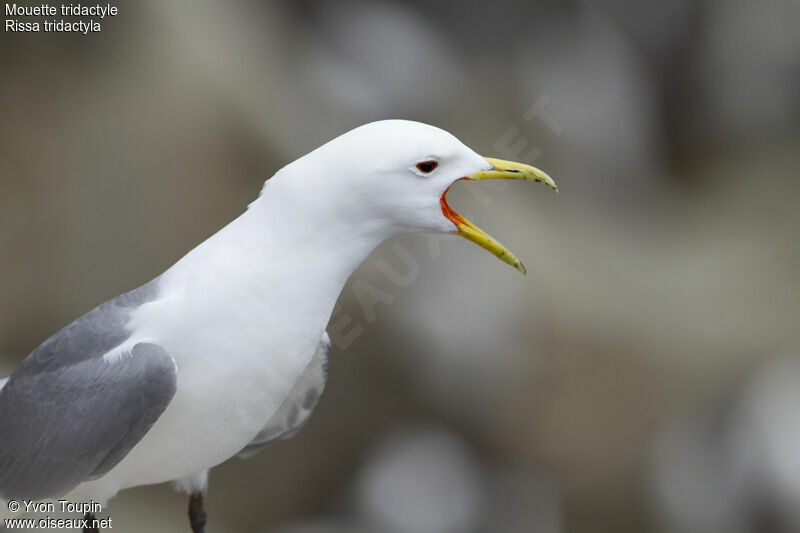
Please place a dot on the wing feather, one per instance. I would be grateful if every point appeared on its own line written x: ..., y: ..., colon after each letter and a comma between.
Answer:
x: 298, y: 405
x: 67, y: 415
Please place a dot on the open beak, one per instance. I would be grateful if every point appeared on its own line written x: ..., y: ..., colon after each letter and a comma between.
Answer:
x: 500, y: 170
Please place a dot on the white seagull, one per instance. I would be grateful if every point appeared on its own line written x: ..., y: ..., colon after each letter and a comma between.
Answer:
x: 226, y: 351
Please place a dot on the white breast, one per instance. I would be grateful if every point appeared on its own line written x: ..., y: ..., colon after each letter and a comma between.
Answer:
x: 242, y: 315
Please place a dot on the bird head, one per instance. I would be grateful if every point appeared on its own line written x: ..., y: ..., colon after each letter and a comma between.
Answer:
x: 396, y: 174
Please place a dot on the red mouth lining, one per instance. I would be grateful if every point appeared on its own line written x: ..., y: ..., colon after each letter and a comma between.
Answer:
x: 448, y: 211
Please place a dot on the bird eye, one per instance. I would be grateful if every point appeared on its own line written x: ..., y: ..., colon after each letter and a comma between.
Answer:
x: 427, y: 166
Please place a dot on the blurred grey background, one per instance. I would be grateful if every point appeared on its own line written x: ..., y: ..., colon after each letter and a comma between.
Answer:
x: 645, y: 375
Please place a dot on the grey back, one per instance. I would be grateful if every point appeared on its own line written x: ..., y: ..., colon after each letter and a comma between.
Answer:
x: 67, y: 415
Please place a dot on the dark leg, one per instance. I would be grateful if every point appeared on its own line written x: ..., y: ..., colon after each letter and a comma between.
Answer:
x: 197, y: 513
x: 90, y: 528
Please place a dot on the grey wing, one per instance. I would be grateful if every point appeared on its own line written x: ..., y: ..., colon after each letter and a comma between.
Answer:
x: 296, y: 408
x: 67, y: 415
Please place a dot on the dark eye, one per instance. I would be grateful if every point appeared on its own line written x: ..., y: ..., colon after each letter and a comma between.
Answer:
x: 427, y: 166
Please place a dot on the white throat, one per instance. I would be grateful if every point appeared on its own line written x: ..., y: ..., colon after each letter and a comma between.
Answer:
x: 283, y: 261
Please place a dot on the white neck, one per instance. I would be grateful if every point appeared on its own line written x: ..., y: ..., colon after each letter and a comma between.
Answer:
x: 313, y: 237
x: 283, y: 261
